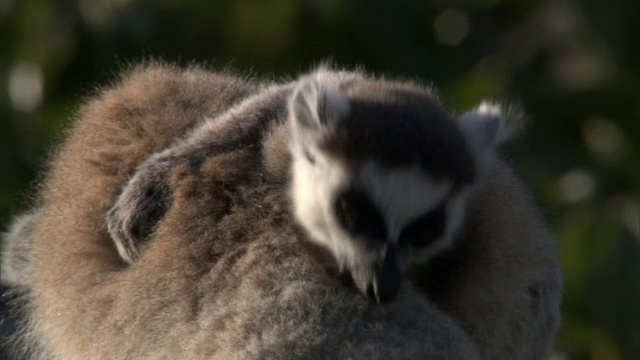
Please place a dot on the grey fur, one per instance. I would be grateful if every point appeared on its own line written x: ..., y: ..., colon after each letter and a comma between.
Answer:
x: 216, y: 267
x: 144, y: 198
x: 16, y: 255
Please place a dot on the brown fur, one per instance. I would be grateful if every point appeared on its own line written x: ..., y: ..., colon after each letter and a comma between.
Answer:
x: 505, y: 283
x: 224, y: 274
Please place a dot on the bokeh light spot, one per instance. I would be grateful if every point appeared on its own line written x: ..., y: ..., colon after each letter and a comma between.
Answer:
x: 576, y: 185
x: 6, y: 6
x: 451, y: 27
x: 26, y: 86
x: 604, y: 139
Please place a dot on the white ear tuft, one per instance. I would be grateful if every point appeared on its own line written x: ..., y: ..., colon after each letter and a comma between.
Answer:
x: 317, y: 103
x: 487, y: 126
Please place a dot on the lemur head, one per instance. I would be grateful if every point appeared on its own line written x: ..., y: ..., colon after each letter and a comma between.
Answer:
x: 382, y: 173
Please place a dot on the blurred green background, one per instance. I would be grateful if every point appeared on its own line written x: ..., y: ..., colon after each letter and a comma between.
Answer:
x: 573, y: 65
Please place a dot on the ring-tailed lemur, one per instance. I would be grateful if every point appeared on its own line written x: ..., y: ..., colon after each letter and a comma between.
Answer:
x: 382, y: 173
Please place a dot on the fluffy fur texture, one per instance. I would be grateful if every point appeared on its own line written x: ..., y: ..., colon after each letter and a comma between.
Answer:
x: 192, y: 169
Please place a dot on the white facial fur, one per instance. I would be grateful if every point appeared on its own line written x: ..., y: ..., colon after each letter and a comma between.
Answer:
x: 313, y: 186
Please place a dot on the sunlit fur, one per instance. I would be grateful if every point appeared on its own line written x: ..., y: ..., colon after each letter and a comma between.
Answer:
x: 163, y: 230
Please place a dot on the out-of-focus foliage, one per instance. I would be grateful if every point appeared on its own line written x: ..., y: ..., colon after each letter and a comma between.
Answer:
x: 573, y: 65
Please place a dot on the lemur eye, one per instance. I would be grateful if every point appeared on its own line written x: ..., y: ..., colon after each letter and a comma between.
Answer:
x: 357, y: 214
x: 425, y: 229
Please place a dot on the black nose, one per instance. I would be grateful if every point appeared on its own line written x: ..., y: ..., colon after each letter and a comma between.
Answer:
x: 347, y: 279
x: 386, y: 285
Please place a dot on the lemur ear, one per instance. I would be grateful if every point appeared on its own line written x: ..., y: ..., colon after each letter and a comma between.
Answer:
x: 317, y: 104
x: 486, y: 127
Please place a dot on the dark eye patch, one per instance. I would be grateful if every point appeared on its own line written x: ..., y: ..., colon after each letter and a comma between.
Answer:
x: 425, y: 229
x: 359, y: 216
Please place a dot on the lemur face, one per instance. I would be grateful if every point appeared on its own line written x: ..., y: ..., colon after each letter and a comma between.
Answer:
x: 381, y: 174
x: 376, y: 221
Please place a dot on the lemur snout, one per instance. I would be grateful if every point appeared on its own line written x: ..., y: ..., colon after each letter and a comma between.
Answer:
x: 380, y: 282
x: 387, y: 279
